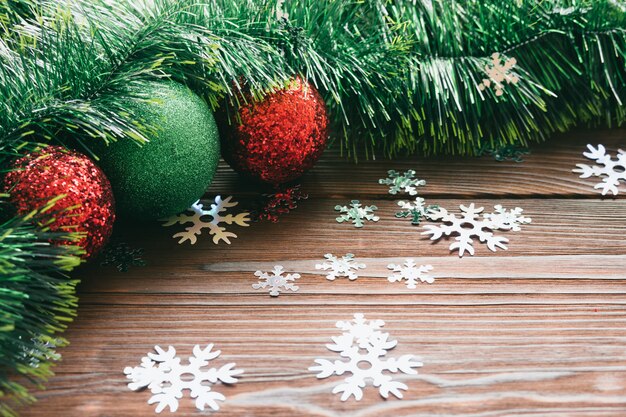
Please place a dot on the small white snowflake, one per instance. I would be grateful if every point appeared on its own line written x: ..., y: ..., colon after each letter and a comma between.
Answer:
x: 365, y: 347
x: 406, y: 182
x: 470, y: 225
x: 417, y: 210
x: 411, y: 273
x: 276, y: 281
x: 612, y: 170
x: 356, y: 213
x: 196, y: 218
x: 161, y: 373
x: 499, y: 71
x: 344, y: 267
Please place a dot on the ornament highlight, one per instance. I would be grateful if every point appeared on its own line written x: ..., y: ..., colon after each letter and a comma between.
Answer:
x: 277, y: 139
x: 166, y: 175
x: 84, y: 199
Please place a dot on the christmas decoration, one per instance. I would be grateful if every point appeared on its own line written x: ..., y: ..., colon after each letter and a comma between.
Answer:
x: 162, y: 373
x: 344, y: 267
x: 469, y: 225
x: 272, y: 206
x: 612, y: 170
x: 84, y: 203
x: 167, y: 174
x: 122, y: 256
x: 504, y: 152
x: 198, y: 212
x: 406, y: 183
x: 356, y: 213
x: 416, y: 211
x: 277, y: 139
x: 411, y: 273
x: 362, y: 342
x: 276, y: 281
x: 499, y: 71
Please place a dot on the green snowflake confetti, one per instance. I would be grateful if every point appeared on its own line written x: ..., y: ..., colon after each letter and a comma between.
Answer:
x: 504, y: 153
x: 356, y: 213
x: 406, y: 182
x: 122, y: 256
x: 416, y: 210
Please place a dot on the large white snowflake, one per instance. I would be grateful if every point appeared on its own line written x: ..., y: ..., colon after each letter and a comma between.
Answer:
x: 162, y: 374
x: 275, y: 281
x: 344, y: 267
x: 410, y: 272
x: 469, y: 225
x: 612, y: 170
x: 406, y: 182
x: 199, y: 219
x: 365, y: 346
x: 357, y: 213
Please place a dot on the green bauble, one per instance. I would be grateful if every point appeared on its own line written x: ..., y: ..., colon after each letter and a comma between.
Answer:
x: 168, y: 174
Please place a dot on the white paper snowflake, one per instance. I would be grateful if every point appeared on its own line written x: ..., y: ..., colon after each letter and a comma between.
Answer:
x: 365, y: 347
x: 499, y: 72
x: 199, y: 218
x: 344, y: 267
x: 406, y: 182
x: 161, y: 373
x: 410, y: 272
x: 276, y: 281
x: 470, y: 225
x: 356, y: 213
x: 416, y: 210
x: 612, y: 170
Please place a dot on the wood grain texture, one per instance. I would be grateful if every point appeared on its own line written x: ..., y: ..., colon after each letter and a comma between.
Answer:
x: 537, y: 330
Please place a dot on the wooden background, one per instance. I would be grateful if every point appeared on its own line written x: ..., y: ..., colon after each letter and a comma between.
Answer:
x: 538, y: 330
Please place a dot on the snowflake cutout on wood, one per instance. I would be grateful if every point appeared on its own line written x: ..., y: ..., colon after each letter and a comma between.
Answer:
x: 499, y: 71
x: 276, y: 281
x: 198, y: 218
x: 410, y: 272
x: 612, y: 170
x: 356, y: 213
x: 402, y: 182
x: 470, y: 225
x: 365, y: 347
x: 161, y: 374
x: 344, y: 267
x: 416, y: 210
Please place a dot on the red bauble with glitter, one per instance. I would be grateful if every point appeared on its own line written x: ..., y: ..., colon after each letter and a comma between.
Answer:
x: 88, y: 205
x: 279, y: 138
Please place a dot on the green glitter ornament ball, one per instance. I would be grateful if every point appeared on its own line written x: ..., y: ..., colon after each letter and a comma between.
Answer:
x: 168, y: 174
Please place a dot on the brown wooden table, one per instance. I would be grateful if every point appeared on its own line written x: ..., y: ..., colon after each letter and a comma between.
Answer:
x: 537, y: 330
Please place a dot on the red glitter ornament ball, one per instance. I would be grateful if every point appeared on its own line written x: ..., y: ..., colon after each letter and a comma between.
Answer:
x: 43, y: 175
x: 279, y: 138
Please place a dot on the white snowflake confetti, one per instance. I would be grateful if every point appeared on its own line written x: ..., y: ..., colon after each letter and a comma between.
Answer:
x: 612, y: 170
x: 470, y: 225
x: 344, y: 267
x: 416, y: 210
x: 410, y: 272
x: 161, y: 373
x: 215, y: 213
x: 276, y: 281
x: 499, y: 71
x: 406, y: 182
x: 356, y: 213
x: 365, y: 347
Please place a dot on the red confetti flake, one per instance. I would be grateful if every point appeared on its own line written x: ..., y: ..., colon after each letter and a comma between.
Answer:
x: 277, y: 139
x: 279, y: 203
x: 88, y: 205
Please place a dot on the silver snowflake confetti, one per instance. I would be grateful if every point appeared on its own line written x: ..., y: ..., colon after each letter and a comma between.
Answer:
x: 211, y: 219
x: 470, y: 225
x: 162, y: 374
x: 345, y: 266
x: 356, y: 213
x: 499, y: 72
x: 406, y: 182
x: 612, y: 170
x: 410, y: 272
x: 365, y: 347
x: 276, y: 281
x: 416, y: 210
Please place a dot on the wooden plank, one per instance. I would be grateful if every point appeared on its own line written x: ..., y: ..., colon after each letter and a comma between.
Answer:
x: 547, y: 171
